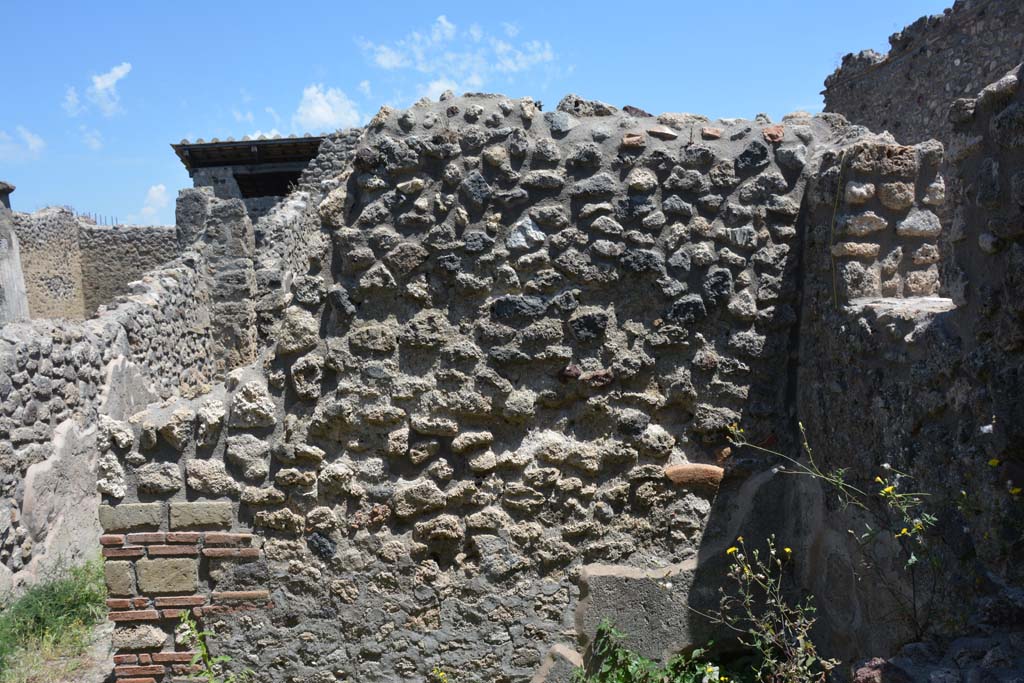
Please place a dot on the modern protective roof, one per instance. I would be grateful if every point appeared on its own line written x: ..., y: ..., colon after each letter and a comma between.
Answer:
x: 202, y: 154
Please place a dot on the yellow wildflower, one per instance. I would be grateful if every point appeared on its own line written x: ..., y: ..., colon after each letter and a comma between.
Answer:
x: 994, y: 462
x: 1015, y: 491
x: 888, y: 489
x: 903, y: 532
x: 878, y: 480
x: 731, y: 551
x: 739, y: 539
x: 787, y: 550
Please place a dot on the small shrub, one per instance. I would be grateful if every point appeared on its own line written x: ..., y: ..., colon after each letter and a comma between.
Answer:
x: 609, y: 661
x: 766, y: 622
x: 51, y: 620
x: 210, y: 668
x: 899, y: 518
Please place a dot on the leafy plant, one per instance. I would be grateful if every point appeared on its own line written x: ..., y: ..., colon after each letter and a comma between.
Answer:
x: 45, y: 629
x: 610, y: 661
x: 899, y: 518
x: 210, y: 667
x: 765, y: 621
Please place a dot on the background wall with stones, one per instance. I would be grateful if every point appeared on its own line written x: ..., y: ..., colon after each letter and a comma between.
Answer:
x: 930, y: 63
x: 113, y: 256
x: 71, y: 265
x: 51, y: 262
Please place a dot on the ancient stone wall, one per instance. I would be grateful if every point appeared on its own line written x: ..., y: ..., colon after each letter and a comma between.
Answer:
x: 59, y: 381
x: 72, y: 266
x: 488, y: 411
x: 113, y: 256
x: 51, y: 263
x: 466, y: 392
x: 930, y: 63
x: 924, y: 385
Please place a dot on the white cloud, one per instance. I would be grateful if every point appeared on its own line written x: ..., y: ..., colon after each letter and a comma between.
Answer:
x: 25, y: 147
x: 434, y: 89
x: 91, y: 138
x: 272, y: 133
x: 154, y: 211
x: 446, y: 58
x: 33, y: 142
x: 364, y: 87
x: 103, y: 91
x: 153, y: 207
x: 442, y: 29
x: 241, y: 117
x: 388, y: 58
x: 324, y: 110
x: 156, y: 199
x: 514, y: 60
x: 71, y: 103
x: 274, y: 115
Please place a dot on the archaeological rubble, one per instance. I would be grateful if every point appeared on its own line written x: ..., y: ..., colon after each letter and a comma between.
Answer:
x: 451, y: 389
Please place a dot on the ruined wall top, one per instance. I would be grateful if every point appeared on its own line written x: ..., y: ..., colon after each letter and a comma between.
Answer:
x: 930, y: 63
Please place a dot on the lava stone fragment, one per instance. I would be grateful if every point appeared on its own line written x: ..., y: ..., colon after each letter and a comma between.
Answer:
x: 717, y: 285
x: 321, y: 545
x: 698, y: 156
x: 642, y: 261
x: 752, y: 158
x: 518, y: 307
x: 475, y: 190
x: 337, y: 297
x: 687, y: 310
x: 477, y: 242
x: 589, y: 326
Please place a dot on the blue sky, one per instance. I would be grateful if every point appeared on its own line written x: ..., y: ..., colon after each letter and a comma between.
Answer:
x: 94, y: 92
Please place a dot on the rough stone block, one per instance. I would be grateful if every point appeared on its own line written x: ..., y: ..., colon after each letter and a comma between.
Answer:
x: 186, y: 515
x: 177, y: 575
x: 141, y: 637
x: 650, y: 606
x: 559, y: 665
x: 131, y: 516
x: 120, y: 577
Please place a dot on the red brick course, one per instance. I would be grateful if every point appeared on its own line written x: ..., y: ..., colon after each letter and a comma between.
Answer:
x: 165, y: 550
x: 224, y: 538
x: 136, y: 615
x: 181, y: 601
x: 156, y: 670
x: 240, y: 596
x: 162, y: 667
x: 173, y: 657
